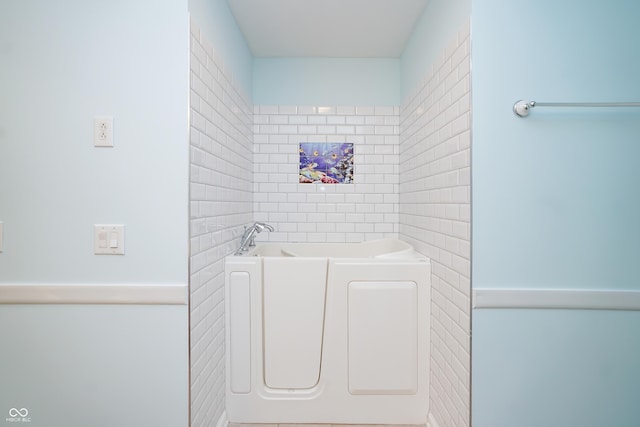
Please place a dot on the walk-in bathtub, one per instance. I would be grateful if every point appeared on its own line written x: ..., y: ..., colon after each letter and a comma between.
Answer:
x: 328, y: 333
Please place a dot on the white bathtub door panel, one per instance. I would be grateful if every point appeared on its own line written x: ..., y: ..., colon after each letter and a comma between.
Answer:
x: 240, y: 331
x: 293, y: 315
x: 383, y: 337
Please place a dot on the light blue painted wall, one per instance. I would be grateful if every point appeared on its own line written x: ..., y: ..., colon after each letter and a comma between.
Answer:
x: 63, y: 63
x: 555, y: 205
x: 326, y: 81
x: 555, y: 195
x: 219, y: 27
x: 439, y: 22
x: 95, y: 365
x: 555, y: 368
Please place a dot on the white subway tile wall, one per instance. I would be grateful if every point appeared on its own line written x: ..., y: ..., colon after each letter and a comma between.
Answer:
x: 412, y: 181
x: 364, y: 210
x: 221, y: 186
x: 435, y: 216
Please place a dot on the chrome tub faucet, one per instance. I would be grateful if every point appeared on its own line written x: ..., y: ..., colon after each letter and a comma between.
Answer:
x: 249, y: 235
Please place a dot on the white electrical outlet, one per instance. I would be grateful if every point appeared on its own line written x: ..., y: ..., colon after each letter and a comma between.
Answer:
x: 103, y: 131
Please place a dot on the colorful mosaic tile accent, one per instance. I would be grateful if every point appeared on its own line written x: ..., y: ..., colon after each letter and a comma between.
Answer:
x: 326, y: 162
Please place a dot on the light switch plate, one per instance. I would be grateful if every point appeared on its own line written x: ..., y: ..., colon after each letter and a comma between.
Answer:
x: 108, y: 239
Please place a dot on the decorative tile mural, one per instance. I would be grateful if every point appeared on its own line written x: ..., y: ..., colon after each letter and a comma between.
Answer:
x: 326, y: 162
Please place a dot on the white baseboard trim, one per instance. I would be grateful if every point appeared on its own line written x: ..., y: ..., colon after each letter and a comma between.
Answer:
x: 584, y: 299
x: 223, y: 421
x: 153, y: 294
x: 431, y: 422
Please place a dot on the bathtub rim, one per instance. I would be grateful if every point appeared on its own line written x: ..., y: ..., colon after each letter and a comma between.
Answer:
x: 394, y: 249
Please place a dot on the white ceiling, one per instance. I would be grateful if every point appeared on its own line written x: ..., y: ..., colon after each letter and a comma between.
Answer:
x: 327, y: 28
